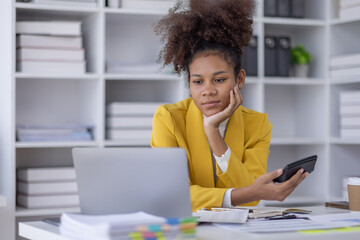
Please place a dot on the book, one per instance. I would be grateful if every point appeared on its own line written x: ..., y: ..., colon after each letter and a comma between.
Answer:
x: 45, y: 131
x: 51, y: 138
x: 348, y: 3
x: 147, y: 5
x: 129, y: 122
x: 346, y: 72
x: 43, y: 54
x: 350, y: 111
x: 271, y: 56
x: 345, y: 60
x: 349, y: 12
x: 67, y: 3
x: 350, y: 122
x: 46, y: 174
x: 350, y: 132
x: 338, y: 204
x: 132, y: 108
x: 129, y: 134
x: 46, y: 201
x: 349, y: 97
x: 39, y: 41
x: 47, y: 188
x: 51, y: 67
x: 62, y: 28
x: 271, y: 212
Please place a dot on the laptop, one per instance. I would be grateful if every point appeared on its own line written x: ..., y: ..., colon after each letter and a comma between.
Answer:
x: 127, y: 180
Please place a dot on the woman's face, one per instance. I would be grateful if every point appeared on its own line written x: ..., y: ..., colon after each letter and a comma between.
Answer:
x: 211, y: 80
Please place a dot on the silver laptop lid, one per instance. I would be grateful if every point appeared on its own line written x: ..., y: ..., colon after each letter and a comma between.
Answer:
x: 125, y: 180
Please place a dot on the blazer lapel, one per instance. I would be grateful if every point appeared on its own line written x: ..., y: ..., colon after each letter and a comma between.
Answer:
x: 200, y: 153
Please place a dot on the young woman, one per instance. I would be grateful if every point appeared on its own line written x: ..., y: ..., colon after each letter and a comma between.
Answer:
x: 227, y: 145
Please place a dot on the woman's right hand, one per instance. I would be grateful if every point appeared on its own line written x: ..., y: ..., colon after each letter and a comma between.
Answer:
x: 265, y: 189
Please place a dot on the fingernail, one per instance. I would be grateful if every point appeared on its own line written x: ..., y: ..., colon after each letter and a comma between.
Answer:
x: 306, y: 174
x: 302, y: 170
x: 279, y: 171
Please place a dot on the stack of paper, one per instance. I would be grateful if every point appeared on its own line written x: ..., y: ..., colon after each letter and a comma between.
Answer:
x: 161, y: 5
x: 54, y: 132
x: 350, y: 113
x: 50, y: 47
x: 130, y: 121
x: 349, y: 9
x: 138, y: 225
x: 47, y: 187
x: 145, y: 68
x: 347, y: 65
x: 67, y: 3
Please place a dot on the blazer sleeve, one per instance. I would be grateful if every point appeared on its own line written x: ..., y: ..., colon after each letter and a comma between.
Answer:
x: 243, y: 170
x: 163, y: 135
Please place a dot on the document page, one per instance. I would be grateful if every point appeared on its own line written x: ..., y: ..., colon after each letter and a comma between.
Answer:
x: 227, y: 216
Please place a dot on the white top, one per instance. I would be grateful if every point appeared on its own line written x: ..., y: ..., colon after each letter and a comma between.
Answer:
x: 222, y: 162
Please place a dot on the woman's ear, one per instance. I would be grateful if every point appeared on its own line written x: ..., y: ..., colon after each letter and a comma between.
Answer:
x: 240, y: 79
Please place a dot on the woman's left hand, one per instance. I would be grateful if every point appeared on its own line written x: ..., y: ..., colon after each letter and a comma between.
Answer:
x: 214, y: 121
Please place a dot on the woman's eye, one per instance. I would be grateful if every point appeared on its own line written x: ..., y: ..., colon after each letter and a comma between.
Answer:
x: 197, y: 82
x: 218, y: 80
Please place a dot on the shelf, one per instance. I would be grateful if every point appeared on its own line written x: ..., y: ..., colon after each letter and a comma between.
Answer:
x: 2, y: 201
x: 54, y: 8
x: 150, y: 77
x: 294, y: 21
x: 55, y: 144
x: 345, y: 141
x: 24, y: 212
x: 88, y: 76
x: 134, y: 11
x: 345, y: 80
x: 344, y: 21
x: 293, y: 81
x: 296, y: 141
x: 127, y: 143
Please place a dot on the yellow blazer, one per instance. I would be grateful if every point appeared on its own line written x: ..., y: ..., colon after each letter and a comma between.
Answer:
x: 248, y: 136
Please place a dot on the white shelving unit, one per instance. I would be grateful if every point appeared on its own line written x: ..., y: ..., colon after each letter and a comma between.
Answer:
x: 303, y: 112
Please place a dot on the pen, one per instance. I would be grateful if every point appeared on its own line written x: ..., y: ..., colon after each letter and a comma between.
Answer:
x: 283, y: 217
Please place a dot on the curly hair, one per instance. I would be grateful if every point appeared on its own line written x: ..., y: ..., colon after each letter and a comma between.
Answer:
x: 222, y: 27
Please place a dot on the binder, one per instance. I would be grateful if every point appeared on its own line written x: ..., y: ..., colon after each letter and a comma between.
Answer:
x: 298, y: 8
x: 271, y: 58
x: 271, y: 8
x: 284, y: 8
x: 284, y: 56
x: 251, y: 57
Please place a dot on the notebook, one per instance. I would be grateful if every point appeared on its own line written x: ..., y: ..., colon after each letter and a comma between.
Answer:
x: 128, y: 180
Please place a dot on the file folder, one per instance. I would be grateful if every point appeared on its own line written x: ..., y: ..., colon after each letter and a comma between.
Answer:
x: 298, y: 8
x: 271, y: 8
x: 271, y: 59
x: 250, y: 59
x: 284, y: 8
x: 284, y: 56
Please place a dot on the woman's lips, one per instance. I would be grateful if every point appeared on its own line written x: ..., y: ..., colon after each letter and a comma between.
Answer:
x: 210, y: 104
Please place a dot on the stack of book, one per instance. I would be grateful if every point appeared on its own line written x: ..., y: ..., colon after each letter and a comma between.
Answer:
x: 130, y: 121
x: 65, y: 3
x: 346, y: 65
x: 161, y: 5
x: 350, y: 113
x: 47, y: 187
x: 134, y: 226
x: 54, y: 132
x: 50, y: 47
x: 349, y: 9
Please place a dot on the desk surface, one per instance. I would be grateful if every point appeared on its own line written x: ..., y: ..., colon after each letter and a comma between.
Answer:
x: 40, y: 231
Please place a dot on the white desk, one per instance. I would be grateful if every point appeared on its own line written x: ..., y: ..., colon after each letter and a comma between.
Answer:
x: 43, y: 231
